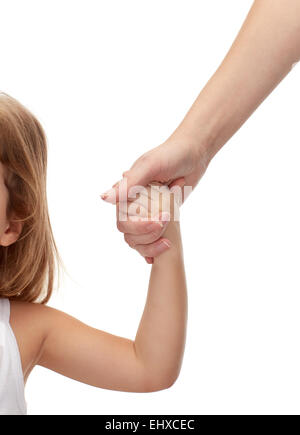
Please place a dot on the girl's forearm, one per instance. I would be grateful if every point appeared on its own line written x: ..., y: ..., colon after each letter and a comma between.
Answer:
x: 263, y: 53
x: 160, y: 339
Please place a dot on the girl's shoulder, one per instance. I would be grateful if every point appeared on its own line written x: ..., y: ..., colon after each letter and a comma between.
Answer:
x: 29, y: 322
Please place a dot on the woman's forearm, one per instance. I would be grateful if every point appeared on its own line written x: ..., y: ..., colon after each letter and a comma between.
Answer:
x: 160, y: 339
x: 263, y: 53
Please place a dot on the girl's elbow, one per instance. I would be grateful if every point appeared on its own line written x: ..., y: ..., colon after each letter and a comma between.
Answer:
x: 156, y: 384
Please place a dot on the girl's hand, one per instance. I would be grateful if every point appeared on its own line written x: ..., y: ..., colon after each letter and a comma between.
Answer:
x: 155, y: 206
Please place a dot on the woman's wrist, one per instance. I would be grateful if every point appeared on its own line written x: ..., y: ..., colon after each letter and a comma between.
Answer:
x: 198, y: 141
x: 209, y: 123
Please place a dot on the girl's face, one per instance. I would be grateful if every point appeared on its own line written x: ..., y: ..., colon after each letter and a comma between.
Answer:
x: 9, y: 231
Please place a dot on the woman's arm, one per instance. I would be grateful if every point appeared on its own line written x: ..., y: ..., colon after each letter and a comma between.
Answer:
x: 151, y: 362
x: 263, y: 53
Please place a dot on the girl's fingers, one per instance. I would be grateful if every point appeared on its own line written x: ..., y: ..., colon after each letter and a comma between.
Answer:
x: 133, y: 219
x: 131, y: 212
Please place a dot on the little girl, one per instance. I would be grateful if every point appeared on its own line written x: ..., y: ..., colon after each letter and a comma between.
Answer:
x: 33, y: 334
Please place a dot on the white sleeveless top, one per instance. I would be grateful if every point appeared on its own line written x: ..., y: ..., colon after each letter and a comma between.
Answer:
x: 12, y: 397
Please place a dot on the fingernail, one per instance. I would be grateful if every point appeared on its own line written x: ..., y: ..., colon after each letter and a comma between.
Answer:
x: 166, y: 243
x: 109, y: 196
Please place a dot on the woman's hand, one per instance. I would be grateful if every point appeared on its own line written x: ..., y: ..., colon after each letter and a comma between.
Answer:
x: 177, y: 162
x: 264, y: 52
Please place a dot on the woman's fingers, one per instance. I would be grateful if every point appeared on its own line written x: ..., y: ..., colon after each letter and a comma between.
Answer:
x: 139, y: 227
x: 149, y: 260
x: 154, y: 249
x: 146, y: 238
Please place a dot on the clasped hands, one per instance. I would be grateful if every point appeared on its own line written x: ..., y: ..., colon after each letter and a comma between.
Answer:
x: 175, y: 166
x: 147, y: 212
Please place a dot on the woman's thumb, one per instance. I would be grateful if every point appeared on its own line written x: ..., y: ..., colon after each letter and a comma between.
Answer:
x: 138, y: 175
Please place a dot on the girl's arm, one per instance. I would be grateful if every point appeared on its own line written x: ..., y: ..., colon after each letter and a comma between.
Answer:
x: 151, y: 362
x: 160, y: 338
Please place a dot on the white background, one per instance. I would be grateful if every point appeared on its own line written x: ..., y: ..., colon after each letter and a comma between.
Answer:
x: 110, y: 80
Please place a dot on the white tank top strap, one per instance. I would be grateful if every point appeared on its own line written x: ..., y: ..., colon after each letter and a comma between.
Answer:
x: 4, y: 310
x: 12, y: 397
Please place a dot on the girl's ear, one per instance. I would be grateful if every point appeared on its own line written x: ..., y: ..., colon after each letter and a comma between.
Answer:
x: 12, y: 233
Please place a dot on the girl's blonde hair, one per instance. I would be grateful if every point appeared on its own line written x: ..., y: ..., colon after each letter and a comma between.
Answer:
x: 27, y: 267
